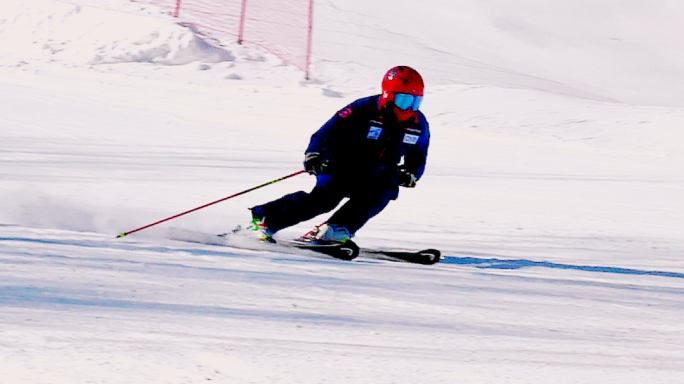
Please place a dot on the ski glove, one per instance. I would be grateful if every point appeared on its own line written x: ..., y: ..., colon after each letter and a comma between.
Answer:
x: 314, y: 163
x: 406, y: 178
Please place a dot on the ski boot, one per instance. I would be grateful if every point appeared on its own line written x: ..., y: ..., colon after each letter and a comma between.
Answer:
x: 259, y: 228
x: 335, y: 233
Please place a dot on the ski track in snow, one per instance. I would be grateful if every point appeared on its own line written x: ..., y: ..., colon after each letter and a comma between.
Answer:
x: 100, y: 308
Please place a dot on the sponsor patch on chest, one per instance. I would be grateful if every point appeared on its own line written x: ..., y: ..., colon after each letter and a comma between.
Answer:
x: 374, y: 133
x: 410, y: 139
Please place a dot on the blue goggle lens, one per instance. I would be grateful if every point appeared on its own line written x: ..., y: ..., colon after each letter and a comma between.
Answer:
x: 405, y: 101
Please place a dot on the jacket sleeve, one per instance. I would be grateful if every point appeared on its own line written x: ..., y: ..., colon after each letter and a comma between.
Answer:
x: 416, y: 158
x: 323, y: 141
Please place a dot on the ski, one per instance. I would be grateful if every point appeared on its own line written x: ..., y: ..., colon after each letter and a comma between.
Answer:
x: 425, y: 256
x: 347, y: 251
x: 344, y: 251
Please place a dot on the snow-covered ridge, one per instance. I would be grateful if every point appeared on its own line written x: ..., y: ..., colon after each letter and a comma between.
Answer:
x: 89, y: 35
x: 250, y: 103
x: 603, y: 51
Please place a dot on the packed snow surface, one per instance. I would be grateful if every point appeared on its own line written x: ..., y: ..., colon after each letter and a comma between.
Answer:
x: 554, y: 188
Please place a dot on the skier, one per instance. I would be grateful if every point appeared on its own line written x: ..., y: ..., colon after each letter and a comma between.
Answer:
x: 364, y: 152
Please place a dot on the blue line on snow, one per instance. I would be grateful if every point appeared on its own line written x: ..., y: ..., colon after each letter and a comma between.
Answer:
x: 487, y: 263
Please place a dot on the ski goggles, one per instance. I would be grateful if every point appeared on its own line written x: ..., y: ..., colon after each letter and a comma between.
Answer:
x: 405, y: 101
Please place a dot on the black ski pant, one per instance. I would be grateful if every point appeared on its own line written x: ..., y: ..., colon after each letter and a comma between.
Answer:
x: 368, y: 195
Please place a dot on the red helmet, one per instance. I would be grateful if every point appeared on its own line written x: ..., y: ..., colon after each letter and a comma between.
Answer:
x: 407, y: 82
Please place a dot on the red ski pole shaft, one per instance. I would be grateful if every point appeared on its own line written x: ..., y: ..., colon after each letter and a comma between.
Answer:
x: 212, y: 203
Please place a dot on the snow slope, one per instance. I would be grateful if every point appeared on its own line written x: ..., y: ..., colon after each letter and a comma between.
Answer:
x: 554, y: 188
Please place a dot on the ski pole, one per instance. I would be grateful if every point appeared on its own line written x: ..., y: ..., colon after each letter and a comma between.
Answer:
x: 212, y: 203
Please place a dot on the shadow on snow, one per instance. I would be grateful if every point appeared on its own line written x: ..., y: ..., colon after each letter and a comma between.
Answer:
x: 493, y: 263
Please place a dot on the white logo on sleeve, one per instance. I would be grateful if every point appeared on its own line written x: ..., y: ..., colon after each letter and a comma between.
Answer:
x: 374, y: 133
x: 411, y: 139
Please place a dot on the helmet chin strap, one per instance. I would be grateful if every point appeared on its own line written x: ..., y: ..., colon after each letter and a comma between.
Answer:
x: 396, y: 115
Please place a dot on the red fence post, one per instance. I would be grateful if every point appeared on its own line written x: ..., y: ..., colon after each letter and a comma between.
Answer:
x: 178, y: 5
x: 309, y: 40
x: 243, y: 12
